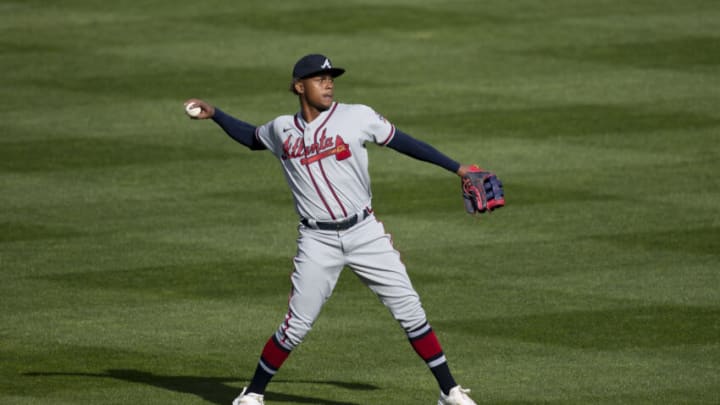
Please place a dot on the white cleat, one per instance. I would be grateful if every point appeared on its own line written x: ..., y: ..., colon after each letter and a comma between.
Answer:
x: 457, y: 396
x: 250, y: 398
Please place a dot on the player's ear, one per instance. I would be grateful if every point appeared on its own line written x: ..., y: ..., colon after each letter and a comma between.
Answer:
x: 299, y: 87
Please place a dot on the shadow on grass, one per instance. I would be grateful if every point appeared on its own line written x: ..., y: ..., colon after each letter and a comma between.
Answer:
x: 211, y: 389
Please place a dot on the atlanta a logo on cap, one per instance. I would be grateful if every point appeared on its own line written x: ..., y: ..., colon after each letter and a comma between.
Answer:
x: 326, y: 64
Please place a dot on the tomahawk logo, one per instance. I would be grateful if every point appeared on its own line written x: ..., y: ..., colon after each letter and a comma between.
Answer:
x: 326, y: 64
x: 325, y: 147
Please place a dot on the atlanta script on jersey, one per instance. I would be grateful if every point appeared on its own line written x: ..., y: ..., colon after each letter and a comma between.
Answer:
x: 317, y: 157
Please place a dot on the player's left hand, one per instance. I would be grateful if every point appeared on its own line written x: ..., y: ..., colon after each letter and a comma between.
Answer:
x: 481, y: 189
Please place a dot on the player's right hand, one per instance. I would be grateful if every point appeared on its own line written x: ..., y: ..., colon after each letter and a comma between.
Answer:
x: 207, y: 109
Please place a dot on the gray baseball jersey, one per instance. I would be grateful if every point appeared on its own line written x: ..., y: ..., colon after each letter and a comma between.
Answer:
x: 325, y: 161
x: 326, y: 165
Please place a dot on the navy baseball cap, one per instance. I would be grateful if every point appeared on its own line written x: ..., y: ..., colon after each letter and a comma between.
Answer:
x: 311, y: 65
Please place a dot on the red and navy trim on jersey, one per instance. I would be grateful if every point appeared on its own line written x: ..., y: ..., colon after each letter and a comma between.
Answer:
x: 299, y: 123
x: 322, y: 170
x: 390, y: 136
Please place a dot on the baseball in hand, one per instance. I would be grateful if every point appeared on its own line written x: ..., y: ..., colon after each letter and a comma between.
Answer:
x: 193, y: 110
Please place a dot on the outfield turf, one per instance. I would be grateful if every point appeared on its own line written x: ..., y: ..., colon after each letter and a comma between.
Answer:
x: 144, y: 257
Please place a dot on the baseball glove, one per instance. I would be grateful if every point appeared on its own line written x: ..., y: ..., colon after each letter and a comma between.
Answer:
x: 482, y: 191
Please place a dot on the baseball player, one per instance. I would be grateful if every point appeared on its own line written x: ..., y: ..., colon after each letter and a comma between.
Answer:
x: 322, y: 152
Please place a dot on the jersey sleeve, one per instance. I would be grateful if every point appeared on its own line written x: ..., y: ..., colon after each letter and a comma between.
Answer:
x: 266, y: 134
x: 378, y: 129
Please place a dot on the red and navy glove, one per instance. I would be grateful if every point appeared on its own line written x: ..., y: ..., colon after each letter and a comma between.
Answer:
x: 482, y: 191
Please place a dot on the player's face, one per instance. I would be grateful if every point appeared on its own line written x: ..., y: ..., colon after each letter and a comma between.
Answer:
x: 317, y: 91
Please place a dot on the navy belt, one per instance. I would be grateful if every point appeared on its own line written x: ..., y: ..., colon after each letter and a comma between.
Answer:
x: 337, y: 226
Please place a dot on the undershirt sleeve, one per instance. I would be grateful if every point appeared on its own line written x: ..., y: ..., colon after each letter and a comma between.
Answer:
x: 238, y: 130
x: 420, y: 150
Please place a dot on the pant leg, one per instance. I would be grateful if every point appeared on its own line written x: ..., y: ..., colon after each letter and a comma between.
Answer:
x: 373, y: 259
x: 317, y: 267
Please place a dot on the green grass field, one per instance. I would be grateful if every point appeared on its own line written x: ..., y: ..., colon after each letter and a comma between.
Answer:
x: 144, y: 257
